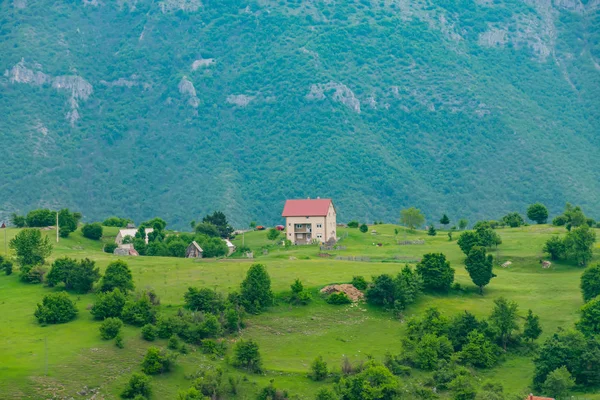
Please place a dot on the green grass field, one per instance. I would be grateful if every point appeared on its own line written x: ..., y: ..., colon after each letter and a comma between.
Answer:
x: 39, y: 362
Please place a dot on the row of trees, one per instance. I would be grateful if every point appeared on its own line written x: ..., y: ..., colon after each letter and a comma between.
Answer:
x: 67, y: 220
x: 576, y: 245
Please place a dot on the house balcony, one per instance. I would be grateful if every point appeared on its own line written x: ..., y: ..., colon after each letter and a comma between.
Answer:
x: 305, y: 228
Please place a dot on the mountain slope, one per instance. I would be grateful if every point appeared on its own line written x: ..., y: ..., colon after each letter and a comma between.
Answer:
x: 179, y: 107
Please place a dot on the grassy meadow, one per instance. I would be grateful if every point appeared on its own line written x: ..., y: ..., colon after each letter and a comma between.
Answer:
x: 59, y: 360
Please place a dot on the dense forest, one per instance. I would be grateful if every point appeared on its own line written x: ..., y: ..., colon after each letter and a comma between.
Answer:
x: 180, y: 107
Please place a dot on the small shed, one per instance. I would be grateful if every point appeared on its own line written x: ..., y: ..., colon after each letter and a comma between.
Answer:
x: 193, y: 251
x: 230, y: 246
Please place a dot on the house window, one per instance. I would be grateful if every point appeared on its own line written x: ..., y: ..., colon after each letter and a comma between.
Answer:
x: 307, y: 217
x: 319, y: 236
x: 290, y: 224
x: 290, y: 234
x: 319, y: 226
x: 298, y: 226
x: 300, y: 236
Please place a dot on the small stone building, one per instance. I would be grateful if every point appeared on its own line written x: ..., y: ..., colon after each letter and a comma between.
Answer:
x: 193, y: 251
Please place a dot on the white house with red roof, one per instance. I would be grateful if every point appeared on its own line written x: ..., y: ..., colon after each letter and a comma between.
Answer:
x: 309, y: 220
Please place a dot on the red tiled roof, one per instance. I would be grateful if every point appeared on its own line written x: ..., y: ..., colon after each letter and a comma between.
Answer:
x: 306, y: 208
x: 532, y: 397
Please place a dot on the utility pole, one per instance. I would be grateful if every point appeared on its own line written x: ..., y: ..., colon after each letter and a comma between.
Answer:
x: 57, y: 227
x: 46, y: 353
x: 4, y: 226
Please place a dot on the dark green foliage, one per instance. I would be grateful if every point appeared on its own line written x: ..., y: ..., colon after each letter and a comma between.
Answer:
x: 255, y: 290
x: 176, y: 248
x: 67, y: 222
x: 149, y: 332
x: 504, y: 319
x: 18, y: 220
x: 463, y: 388
x: 234, y: 318
x: 110, y: 248
x: 92, y: 231
x: 479, y: 266
x: 247, y: 356
x: 560, y: 220
x: 40, y: 218
x: 479, y: 351
x: 173, y: 343
x: 117, y: 276
x: 559, y: 383
x: 109, y: 304
x: 589, y: 323
x: 555, y: 247
x: 326, y: 393
x: 219, y: 220
x: 364, y: 228
x: 513, y: 220
x: 374, y: 382
x: 318, y: 369
x: 429, y: 350
x: 56, y: 308
x: 139, y: 312
x: 461, y: 325
x: 359, y: 282
x: 6, y: 266
x: 138, y: 385
x: 32, y: 274
x: 157, y: 361
x: 537, y: 212
x: 207, y: 229
x: 78, y: 276
x: 395, y: 293
x: 119, y: 341
x: 396, y: 365
x: 444, y: 220
x: 353, y: 224
x: 110, y: 328
x: 436, y: 272
x: 579, y: 243
x: 590, y: 282
x: 205, y: 300
x: 273, y: 234
x: 338, y: 298
x: 467, y: 240
x: 532, y: 328
x: 117, y: 222
x: 462, y: 224
x: 270, y: 392
x: 299, y: 295
x: 431, y: 231
x: 31, y: 247
x: 140, y: 246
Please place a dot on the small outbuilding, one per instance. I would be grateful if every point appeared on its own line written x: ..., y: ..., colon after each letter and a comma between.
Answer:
x: 193, y: 250
x: 230, y: 246
x: 123, y: 233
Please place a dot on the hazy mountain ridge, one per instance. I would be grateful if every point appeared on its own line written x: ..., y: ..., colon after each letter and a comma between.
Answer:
x: 179, y: 107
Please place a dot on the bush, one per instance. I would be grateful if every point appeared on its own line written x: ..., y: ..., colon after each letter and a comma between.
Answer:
x: 318, y: 369
x: 359, y: 282
x: 110, y: 248
x: 119, y: 341
x: 78, y: 276
x: 117, y: 222
x: 110, y: 328
x: 149, y: 332
x: 299, y: 295
x: 353, y: 224
x: 157, y: 361
x: 338, y: 298
x: 205, y: 300
x: 256, y: 289
x: 139, y: 312
x: 173, y: 343
x: 117, y: 276
x: 436, y: 272
x: 364, y: 228
x: 56, y: 308
x: 31, y: 274
x: 590, y: 283
x: 109, y: 305
x: 92, y: 231
x: 7, y: 267
x: 31, y: 247
x: 560, y: 220
x: 247, y: 356
x: 139, y: 385
x: 326, y: 393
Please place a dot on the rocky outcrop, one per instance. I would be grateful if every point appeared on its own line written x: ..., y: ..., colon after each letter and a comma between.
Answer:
x: 203, y: 62
x: 79, y: 88
x: 21, y: 74
x: 494, y: 37
x: 186, y: 88
x: 167, y: 6
x: 240, y: 100
x: 338, y: 92
x: 20, y: 4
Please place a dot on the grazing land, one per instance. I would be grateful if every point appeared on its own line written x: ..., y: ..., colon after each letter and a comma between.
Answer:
x: 58, y: 361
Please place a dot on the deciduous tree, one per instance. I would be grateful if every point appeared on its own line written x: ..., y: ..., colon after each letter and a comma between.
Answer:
x: 590, y: 282
x: 480, y: 267
x: 31, y: 247
x: 504, y: 319
x: 436, y: 272
x: 117, y: 276
x: 412, y: 218
x: 537, y: 212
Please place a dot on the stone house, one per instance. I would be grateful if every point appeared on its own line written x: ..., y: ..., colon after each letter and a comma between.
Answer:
x: 193, y: 250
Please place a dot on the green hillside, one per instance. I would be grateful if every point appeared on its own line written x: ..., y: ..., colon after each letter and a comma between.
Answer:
x: 179, y: 107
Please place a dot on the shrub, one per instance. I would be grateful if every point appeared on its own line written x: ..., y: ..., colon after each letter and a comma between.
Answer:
x: 31, y: 274
x: 364, y: 228
x: 31, y: 247
x: 247, y: 356
x: 256, y: 289
x: 7, y: 266
x: 157, y: 361
x: 326, y: 393
x: 138, y: 312
x: 119, y: 341
x: 359, y: 282
x: 560, y: 220
x: 555, y: 247
x: 110, y: 247
x: 173, y: 343
x: 514, y: 220
x: 205, y: 300
x: 318, y: 369
x: 299, y: 295
x: 590, y: 283
x: 56, y: 308
x: 559, y: 383
x: 117, y: 222
x: 149, y: 332
x: 436, y: 272
x: 353, y: 224
x: 78, y: 276
x: 109, y: 305
x: 138, y: 385
x: 117, y: 276
x: 338, y: 298
x: 110, y: 328
x: 92, y: 231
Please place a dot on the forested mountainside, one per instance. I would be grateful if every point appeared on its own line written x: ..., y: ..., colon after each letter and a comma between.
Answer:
x: 179, y: 107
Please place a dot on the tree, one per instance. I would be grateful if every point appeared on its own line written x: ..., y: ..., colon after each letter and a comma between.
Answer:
x: 364, y: 228
x: 537, y: 212
x: 205, y: 300
x: 56, y: 308
x: 478, y: 351
x: 67, y: 222
x: 30, y: 247
x: 555, y: 247
x: 158, y: 224
x: 559, y: 383
x: 109, y: 305
x: 149, y: 332
x: 444, y: 220
x: 18, y: 220
x: 299, y: 295
x: 412, y: 218
x: 579, y: 243
x: 117, y: 222
x: 177, y: 248
x: 247, y: 356
x: 532, y: 329
x: 273, y: 234
x: 353, y: 224
x: 207, y: 229
x: 589, y: 323
x: 40, y: 218
x: 487, y: 237
x: 467, y: 240
x: 514, y: 220
x: 92, y: 231
x: 590, y: 283
x: 157, y: 361
x: 460, y: 327
x: 431, y: 231
x: 504, y: 319
x: 138, y: 385
x: 256, y: 289
x: 462, y: 388
x: 78, y: 276
x: 326, y: 393
x: 219, y: 220
x: 138, y: 312
x: 375, y: 382
x: 436, y: 272
x: 462, y: 224
x: 60, y: 271
x: 117, y: 276
x: 479, y: 266
x: 110, y: 328
x: 318, y: 369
